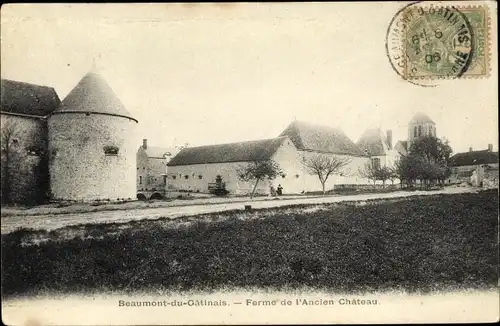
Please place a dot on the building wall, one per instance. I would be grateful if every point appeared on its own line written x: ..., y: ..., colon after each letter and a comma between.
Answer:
x: 463, y: 173
x: 295, y: 179
x: 27, y: 170
x: 79, y: 167
x: 428, y: 129
x: 150, y: 172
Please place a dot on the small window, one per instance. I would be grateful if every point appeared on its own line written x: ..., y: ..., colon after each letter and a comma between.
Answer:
x: 186, y: 176
x: 200, y: 177
x: 376, y: 163
x: 419, y: 131
x: 415, y: 131
x: 174, y: 177
x: 110, y: 150
x: 297, y: 176
x: 140, y: 180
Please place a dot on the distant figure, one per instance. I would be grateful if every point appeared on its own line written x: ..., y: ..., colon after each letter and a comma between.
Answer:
x: 272, y: 191
x: 280, y: 190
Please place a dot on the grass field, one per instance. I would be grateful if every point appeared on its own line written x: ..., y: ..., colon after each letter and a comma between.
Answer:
x: 414, y: 244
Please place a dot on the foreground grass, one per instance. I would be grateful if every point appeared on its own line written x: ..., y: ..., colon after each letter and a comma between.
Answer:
x: 417, y: 244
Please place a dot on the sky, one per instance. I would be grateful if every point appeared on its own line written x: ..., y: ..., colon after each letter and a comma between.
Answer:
x: 218, y: 73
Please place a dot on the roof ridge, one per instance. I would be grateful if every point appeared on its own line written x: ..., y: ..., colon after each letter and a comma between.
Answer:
x: 26, y: 83
x: 239, y: 142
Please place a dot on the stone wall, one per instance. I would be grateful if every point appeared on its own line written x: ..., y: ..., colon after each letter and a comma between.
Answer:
x: 80, y: 168
x: 24, y: 167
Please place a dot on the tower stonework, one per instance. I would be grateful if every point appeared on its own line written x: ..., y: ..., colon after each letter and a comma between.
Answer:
x: 91, y: 145
x: 420, y: 126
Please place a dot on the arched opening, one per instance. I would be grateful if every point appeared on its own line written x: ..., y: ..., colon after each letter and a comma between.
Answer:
x: 156, y: 195
x: 141, y: 197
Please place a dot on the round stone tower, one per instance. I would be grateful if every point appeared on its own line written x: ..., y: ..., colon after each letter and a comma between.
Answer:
x: 92, y: 154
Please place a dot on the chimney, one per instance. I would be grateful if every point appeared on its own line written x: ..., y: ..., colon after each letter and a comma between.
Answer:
x: 145, y: 143
x: 490, y: 147
x: 470, y: 149
x: 389, y: 138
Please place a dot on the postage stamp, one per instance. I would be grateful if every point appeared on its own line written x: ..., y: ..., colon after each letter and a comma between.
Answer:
x: 436, y: 41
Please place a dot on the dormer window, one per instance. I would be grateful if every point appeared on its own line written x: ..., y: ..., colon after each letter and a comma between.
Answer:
x: 110, y: 150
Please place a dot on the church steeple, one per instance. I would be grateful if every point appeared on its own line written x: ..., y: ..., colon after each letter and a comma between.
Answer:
x: 420, y: 126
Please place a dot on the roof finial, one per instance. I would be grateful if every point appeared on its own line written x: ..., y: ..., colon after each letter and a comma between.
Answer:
x: 94, y: 68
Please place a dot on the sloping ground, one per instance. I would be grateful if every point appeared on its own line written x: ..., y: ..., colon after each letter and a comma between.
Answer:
x: 415, y: 244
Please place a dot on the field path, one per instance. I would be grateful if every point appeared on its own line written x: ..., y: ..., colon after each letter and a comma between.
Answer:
x: 51, y: 222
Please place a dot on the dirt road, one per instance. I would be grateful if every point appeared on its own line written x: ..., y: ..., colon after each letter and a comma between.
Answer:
x: 51, y: 222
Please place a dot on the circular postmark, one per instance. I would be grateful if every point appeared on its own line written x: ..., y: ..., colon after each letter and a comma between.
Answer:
x: 426, y: 42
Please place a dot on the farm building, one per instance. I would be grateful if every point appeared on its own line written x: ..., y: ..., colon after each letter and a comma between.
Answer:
x: 379, y: 147
x: 24, y: 108
x: 194, y: 168
x: 152, y: 170
x: 478, y: 167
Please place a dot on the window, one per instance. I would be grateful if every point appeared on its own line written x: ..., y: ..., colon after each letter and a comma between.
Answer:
x: 376, y: 163
x: 200, y: 177
x: 110, y: 150
x: 415, y: 131
x: 419, y: 131
x: 186, y: 176
x: 297, y: 176
x: 174, y: 177
x: 140, y: 180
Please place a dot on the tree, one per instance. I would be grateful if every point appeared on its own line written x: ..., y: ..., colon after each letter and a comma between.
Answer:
x: 8, y: 144
x: 383, y: 174
x: 323, y: 166
x: 258, y: 171
x: 432, y: 149
x: 369, y: 171
x: 427, y: 161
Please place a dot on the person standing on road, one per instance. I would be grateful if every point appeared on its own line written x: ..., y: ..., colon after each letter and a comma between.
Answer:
x: 280, y: 190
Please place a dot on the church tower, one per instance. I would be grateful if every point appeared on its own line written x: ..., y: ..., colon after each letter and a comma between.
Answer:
x: 420, y: 126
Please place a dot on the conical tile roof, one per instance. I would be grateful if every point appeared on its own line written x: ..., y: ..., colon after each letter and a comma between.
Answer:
x: 93, y: 95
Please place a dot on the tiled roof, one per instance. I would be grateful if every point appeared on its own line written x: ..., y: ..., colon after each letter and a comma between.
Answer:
x: 474, y: 158
x: 29, y: 99
x: 420, y: 117
x: 92, y: 94
x: 235, y: 152
x: 401, y: 147
x: 313, y: 137
x: 373, y: 142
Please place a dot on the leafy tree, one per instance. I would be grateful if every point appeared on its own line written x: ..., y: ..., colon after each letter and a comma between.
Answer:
x: 323, y: 166
x: 427, y: 161
x: 258, y: 171
x: 432, y: 149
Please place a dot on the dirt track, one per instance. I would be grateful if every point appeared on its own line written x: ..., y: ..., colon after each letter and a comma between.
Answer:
x: 50, y: 222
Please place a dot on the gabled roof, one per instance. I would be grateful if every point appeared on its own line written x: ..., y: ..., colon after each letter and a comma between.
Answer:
x: 93, y: 95
x: 401, y: 147
x: 474, y: 158
x: 313, y: 137
x: 373, y: 142
x: 247, y: 151
x: 419, y: 118
x: 28, y: 99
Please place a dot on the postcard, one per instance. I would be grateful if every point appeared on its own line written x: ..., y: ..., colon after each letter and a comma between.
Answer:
x: 249, y: 163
